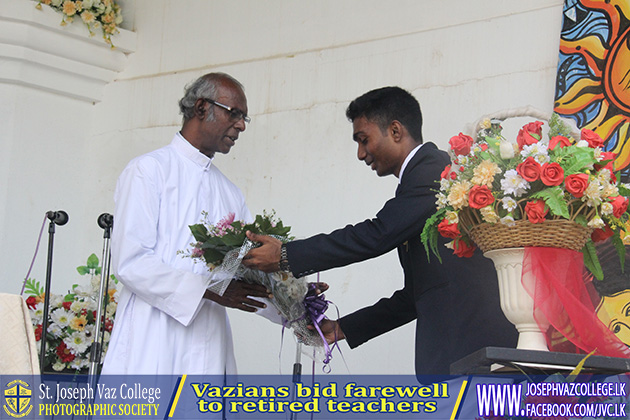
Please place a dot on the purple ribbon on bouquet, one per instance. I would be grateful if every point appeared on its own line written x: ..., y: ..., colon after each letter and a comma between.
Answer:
x: 315, y: 306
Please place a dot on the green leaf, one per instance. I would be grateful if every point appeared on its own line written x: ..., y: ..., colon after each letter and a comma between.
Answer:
x: 577, y: 159
x: 200, y: 232
x: 554, y: 198
x: 430, y: 234
x: 213, y: 256
x: 581, y: 220
x: 621, y: 250
x: 591, y: 261
x: 83, y: 270
x: 92, y: 261
x: 33, y: 288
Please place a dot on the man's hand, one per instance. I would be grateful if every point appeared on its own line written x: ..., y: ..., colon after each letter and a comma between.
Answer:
x: 331, y: 330
x: 237, y: 296
x: 266, y: 257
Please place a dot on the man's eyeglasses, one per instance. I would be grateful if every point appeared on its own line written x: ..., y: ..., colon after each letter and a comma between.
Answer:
x: 235, y: 114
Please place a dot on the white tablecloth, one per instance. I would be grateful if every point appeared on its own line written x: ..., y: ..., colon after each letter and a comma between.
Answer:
x: 18, y: 352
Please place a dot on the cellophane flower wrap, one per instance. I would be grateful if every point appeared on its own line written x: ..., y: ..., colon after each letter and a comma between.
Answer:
x: 222, y: 246
x: 496, y: 180
x: 72, y: 319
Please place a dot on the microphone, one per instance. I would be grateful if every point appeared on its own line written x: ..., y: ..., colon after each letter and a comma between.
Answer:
x: 59, y: 217
x: 105, y: 220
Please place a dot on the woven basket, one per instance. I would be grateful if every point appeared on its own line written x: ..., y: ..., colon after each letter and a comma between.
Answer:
x: 551, y: 233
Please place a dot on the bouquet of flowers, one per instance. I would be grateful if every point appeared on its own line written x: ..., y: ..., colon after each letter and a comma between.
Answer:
x: 104, y: 14
x: 222, y: 246
x: 72, y: 318
x: 493, y: 180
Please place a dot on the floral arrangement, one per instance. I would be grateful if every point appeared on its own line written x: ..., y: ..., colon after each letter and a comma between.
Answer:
x: 71, y: 319
x: 222, y: 246
x: 104, y: 14
x: 494, y: 180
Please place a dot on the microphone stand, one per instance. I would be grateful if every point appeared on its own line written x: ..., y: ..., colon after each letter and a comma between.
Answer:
x: 106, y: 222
x: 297, y: 374
x: 60, y: 218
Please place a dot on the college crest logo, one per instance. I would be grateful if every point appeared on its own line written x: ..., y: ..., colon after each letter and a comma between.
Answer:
x: 17, y: 396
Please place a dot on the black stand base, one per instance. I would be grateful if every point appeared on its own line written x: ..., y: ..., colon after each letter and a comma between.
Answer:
x: 507, y: 360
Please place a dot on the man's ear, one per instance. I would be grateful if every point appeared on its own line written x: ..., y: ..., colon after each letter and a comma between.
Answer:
x: 200, y: 110
x: 396, y: 129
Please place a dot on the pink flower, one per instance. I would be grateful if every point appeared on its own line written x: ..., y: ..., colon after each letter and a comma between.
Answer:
x: 197, y: 252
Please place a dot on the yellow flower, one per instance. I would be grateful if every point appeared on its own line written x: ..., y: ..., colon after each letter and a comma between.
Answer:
x: 484, y: 173
x: 78, y: 323
x: 79, y: 5
x: 489, y: 215
x: 108, y: 18
x: 458, y: 197
x: 486, y: 123
x: 69, y: 8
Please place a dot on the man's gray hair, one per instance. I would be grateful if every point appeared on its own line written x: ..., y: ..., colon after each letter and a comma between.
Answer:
x: 203, y: 87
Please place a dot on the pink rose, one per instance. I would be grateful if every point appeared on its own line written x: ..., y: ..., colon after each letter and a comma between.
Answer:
x: 576, y: 184
x: 559, y: 141
x: 448, y: 230
x: 529, y: 169
x: 593, y: 139
x: 552, y: 174
x: 461, y: 144
x: 445, y: 172
x: 536, y: 211
x: 529, y: 134
x: 480, y: 196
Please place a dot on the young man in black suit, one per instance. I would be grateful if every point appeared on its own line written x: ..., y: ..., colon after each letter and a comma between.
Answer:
x: 455, y: 303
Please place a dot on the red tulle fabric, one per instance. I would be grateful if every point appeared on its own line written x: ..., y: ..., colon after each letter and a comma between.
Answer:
x: 554, y: 279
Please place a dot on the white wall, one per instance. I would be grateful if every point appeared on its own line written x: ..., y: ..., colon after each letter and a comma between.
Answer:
x: 301, y: 63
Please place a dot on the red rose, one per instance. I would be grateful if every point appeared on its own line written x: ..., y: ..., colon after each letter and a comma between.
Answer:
x: 66, y: 305
x: 552, y: 174
x: 483, y: 146
x: 529, y: 169
x: 536, y: 211
x: 463, y: 249
x: 38, y: 332
x: 529, y: 134
x: 620, y: 205
x: 31, y: 302
x: 576, y: 184
x: 599, y: 235
x: 480, y: 196
x: 609, y: 158
x: 448, y: 230
x: 64, y: 353
x: 445, y: 172
x: 593, y: 139
x: 453, y: 176
x: 559, y: 141
x: 461, y: 144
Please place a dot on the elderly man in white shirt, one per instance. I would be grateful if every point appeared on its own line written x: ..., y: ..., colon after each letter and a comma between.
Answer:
x: 167, y: 321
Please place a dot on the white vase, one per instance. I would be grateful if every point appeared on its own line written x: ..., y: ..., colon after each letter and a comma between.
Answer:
x: 516, y: 303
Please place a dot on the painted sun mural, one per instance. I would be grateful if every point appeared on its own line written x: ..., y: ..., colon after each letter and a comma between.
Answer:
x: 593, y: 83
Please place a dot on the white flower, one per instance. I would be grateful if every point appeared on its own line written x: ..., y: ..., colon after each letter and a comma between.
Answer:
x: 514, y: 184
x: 582, y: 143
x: 87, y: 4
x: 77, y: 342
x: 450, y: 245
x: 37, y: 314
x: 56, y: 301
x: 596, y: 223
x: 593, y: 193
x: 508, y: 220
x: 56, y: 3
x: 58, y: 366
x: 506, y: 150
x: 77, y: 306
x: 509, y: 203
x: 444, y: 184
x: 55, y: 330
x: 452, y: 217
x: 61, y: 317
x: 597, y: 154
x: 607, y: 208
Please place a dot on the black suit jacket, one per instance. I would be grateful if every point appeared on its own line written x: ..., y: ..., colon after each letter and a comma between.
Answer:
x: 456, y: 303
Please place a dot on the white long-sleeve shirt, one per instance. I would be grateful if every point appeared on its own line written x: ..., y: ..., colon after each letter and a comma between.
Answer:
x: 163, y: 324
